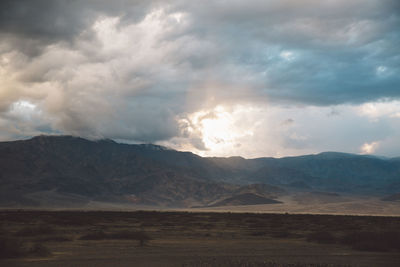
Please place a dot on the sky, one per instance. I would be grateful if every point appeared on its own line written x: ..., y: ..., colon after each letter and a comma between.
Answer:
x: 218, y: 78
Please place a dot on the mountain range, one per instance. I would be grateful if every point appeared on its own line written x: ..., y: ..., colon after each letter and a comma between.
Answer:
x: 72, y: 171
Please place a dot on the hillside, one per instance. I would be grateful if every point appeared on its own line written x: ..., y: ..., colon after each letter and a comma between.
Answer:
x: 243, y: 200
x: 332, y: 171
x: 65, y: 170
x: 79, y: 170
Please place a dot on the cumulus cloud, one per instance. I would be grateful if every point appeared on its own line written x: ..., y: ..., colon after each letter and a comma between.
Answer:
x: 171, y: 71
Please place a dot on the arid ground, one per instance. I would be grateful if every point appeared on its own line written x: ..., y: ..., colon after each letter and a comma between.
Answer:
x: 150, y: 238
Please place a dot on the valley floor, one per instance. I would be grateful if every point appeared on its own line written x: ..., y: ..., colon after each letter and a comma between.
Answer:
x: 145, y: 238
x: 309, y: 204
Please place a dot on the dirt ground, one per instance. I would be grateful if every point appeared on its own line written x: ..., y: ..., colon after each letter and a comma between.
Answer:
x: 75, y: 238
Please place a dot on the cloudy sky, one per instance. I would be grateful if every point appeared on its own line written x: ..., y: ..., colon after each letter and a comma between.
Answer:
x: 218, y: 78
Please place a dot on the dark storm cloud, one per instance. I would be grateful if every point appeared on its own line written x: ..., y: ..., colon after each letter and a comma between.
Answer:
x: 63, y: 19
x: 134, y: 70
x: 42, y: 22
x: 337, y: 46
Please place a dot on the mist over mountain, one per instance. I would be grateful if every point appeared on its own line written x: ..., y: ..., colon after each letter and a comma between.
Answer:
x: 66, y: 170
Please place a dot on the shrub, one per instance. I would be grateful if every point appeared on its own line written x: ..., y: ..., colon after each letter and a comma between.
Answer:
x: 241, y: 262
x: 142, y: 237
x: 10, y: 248
x: 258, y: 233
x: 55, y: 239
x: 129, y: 235
x: 323, y: 237
x: 98, y: 235
x: 35, y: 231
x: 281, y: 234
x: 39, y: 250
x: 372, y: 241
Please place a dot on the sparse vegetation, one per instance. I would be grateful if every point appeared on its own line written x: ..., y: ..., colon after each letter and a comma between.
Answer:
x: 373, y: 241
x: 141, y: 236
x: 360, y: 240
x: 11, y: 248
x: 281, y: 234
x: 55, y: 239
x: 323, y: 237
x: 30, y: 233
x: 97, y: 235
x: 39, y: 250
x: 36, y: 231
x: 251, y: 263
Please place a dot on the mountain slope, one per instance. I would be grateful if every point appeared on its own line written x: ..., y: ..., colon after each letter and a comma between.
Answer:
x: 108, y: 171
x: 334, y: 172
x: 56, y: 169
x: 244, y: 199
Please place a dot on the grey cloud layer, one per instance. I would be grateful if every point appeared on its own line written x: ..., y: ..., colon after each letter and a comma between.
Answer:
x: 131, y: 69
x: 336, y: 47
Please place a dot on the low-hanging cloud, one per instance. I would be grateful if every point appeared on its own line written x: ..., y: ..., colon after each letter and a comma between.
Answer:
x: 135, y: 70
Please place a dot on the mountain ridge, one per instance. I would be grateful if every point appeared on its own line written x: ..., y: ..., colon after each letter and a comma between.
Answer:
x: 155, y: 175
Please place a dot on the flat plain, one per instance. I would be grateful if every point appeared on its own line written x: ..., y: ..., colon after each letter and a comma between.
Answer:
x: 154, y: 238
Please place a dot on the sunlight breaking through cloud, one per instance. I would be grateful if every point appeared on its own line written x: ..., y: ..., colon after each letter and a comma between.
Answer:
x: 142, y: 71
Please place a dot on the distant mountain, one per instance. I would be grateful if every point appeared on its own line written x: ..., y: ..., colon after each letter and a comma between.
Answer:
x: 66, y: 170
x: 47, y: 168
x: 244, y: 199
x: 333, y: 171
